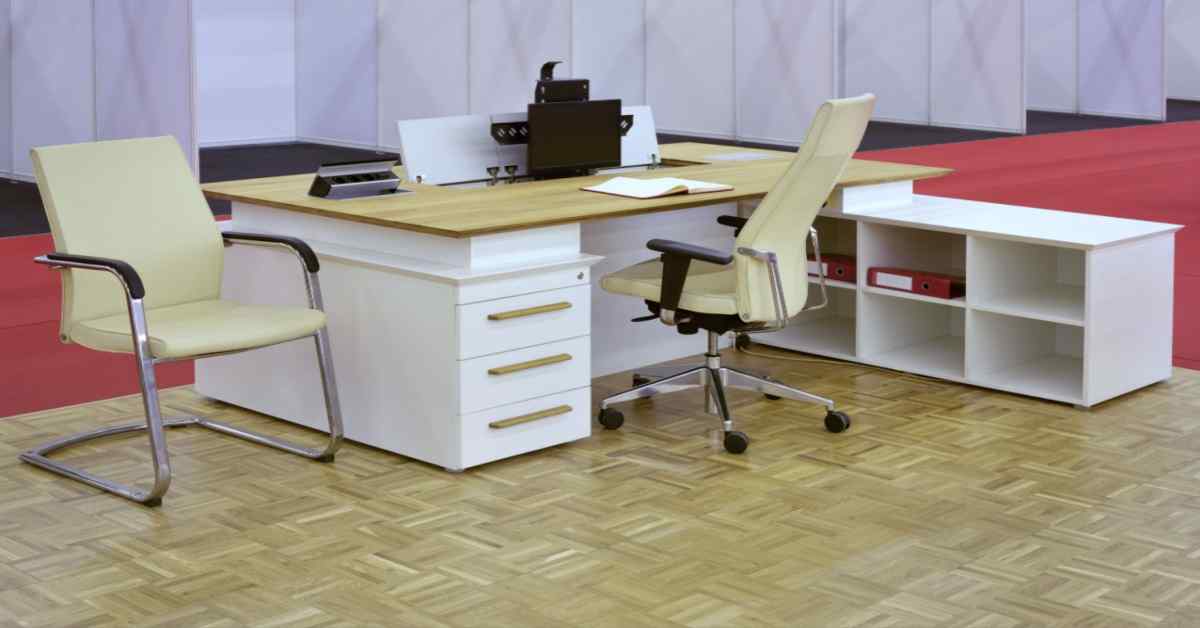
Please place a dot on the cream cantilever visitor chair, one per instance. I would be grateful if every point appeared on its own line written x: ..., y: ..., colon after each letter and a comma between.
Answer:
x: 757, y: 288
x: 132, y: 210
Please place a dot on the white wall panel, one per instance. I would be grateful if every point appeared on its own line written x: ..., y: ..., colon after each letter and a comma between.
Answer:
x: 246, y: 70
x: 978, y: 52
x: 785, y: 66
x: 337, y: 60
x: 144, y: 71
x: 510, y: 39
x: 1183, y: 49
x: 886, y: 50
x: 422, y: 62
x: 609, y: 48
x: 689, y: 66
x: 6, y: 150
x: 1051, y: 49
x: 1121, y: 58
x: 52, y: 65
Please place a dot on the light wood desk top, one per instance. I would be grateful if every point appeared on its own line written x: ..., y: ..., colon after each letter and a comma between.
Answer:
x: 460, y: 212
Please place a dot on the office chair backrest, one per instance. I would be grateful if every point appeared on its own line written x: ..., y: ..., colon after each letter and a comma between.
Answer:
x: 783, y: 218
x: 133, y: 200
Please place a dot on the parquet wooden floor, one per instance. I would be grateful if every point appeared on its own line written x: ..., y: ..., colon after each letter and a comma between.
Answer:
x: 943, y: 506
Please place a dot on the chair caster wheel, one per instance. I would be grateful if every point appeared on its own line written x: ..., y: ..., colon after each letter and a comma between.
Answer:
x: 638, y: 380
x: 742, y: 341
x: 736, y: 442
x: 769, y: 396
x: 837, y: 422
x: 611, y: 419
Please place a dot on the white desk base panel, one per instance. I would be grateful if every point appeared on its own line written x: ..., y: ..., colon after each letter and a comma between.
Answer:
x: 1075, y: 310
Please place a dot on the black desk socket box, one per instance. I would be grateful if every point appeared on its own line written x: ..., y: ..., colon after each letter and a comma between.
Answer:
x: 356, y: 179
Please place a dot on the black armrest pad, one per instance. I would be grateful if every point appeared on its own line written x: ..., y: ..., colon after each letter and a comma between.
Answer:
x: 690, y: 251
x: 132, y: 280
x: 736, y: 222
x: 300, y: 246
x: 676, y: 258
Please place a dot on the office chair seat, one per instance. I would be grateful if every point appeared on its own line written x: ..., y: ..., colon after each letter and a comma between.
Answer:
x: 709, y: 289
x: 200, y: 328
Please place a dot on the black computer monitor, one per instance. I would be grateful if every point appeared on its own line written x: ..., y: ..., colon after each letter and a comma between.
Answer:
x: 569, y: 138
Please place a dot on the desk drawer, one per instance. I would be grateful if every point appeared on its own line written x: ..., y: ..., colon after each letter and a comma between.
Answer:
x: 502, y: 378
x: 523, y: 321
x: 526, y: 426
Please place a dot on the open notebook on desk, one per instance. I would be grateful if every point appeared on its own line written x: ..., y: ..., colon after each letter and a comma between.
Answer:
x: 654, y: 188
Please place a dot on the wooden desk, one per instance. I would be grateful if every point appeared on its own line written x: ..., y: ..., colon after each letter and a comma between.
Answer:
x: 414, y: 285
x: 465, y: 212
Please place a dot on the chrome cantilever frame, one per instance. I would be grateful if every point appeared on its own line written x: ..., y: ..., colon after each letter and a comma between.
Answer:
x: 712, y: 375
x: 154, y: 421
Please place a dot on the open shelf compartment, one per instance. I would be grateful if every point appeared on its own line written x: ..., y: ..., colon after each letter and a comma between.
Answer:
x: 1027, y: 356
x: 915, y: 336
x: 887, y: 246
x: 829, y: 331
x: 1027, y: 280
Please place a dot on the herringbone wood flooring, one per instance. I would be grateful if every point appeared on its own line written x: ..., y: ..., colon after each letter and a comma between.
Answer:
x: 943, y: 506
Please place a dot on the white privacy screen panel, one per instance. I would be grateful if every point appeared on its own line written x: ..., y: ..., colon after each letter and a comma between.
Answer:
x: 1121, y: 58
x: 144, y: 72
x: 785, y: 66
x: 886, y: 51
x: 5, y: 90
x: 337, y: 63
x: 422, y: 62
x: 52, y: 62
x: 609, y: 47
x: 510, y: 39
x: 1183, y: 49
x: 978, y: 65
x: 1051, y: 45
x: 245, y: 70
x: 689, y: 66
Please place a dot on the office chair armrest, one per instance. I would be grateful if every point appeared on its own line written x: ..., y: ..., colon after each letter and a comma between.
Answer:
x: 737, y: 222
x: 689, y: 251
x: 676, y: 259
x: 301, y: 248
x: 123, y: 270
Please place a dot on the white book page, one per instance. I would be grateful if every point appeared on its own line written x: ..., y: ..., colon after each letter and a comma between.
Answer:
x: 653, y: 188
x: 638, y: 188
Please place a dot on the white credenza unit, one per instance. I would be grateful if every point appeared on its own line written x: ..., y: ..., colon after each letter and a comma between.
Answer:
x: 1062, y: 306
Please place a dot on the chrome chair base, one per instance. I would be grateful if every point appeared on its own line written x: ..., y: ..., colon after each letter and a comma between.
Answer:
x: 155, y: 424
x: 715, y: 379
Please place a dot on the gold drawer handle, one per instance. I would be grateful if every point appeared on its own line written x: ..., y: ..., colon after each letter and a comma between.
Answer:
x: 529, y: 311
x: 532, y: 364
x: 529, y: 418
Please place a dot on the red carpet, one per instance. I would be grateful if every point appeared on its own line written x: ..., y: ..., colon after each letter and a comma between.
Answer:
x: 1145, y: 172
x: 1142, y: 172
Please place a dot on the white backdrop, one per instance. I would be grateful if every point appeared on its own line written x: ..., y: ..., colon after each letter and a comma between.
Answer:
x: 885, y: 50
x: 785, y: 59
x: 245, y: 70
x: 6, y: 147
x: 978, y: 64
x: 1121, y: 58
x: 689, y: 66
x: 337, y: 70
x: 1103, y: 57
x: 1052, y: 48
x: 52, y: 63
x: 143, y: 69
x: 1183, y: 49
x: 82, y: 70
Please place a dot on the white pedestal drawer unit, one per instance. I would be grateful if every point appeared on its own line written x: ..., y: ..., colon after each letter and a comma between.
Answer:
x: 1062, y: 306
x: 456, y: 352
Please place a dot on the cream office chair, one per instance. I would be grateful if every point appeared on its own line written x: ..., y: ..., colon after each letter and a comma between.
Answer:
x: 757, y: 288
x: 132, y: 210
